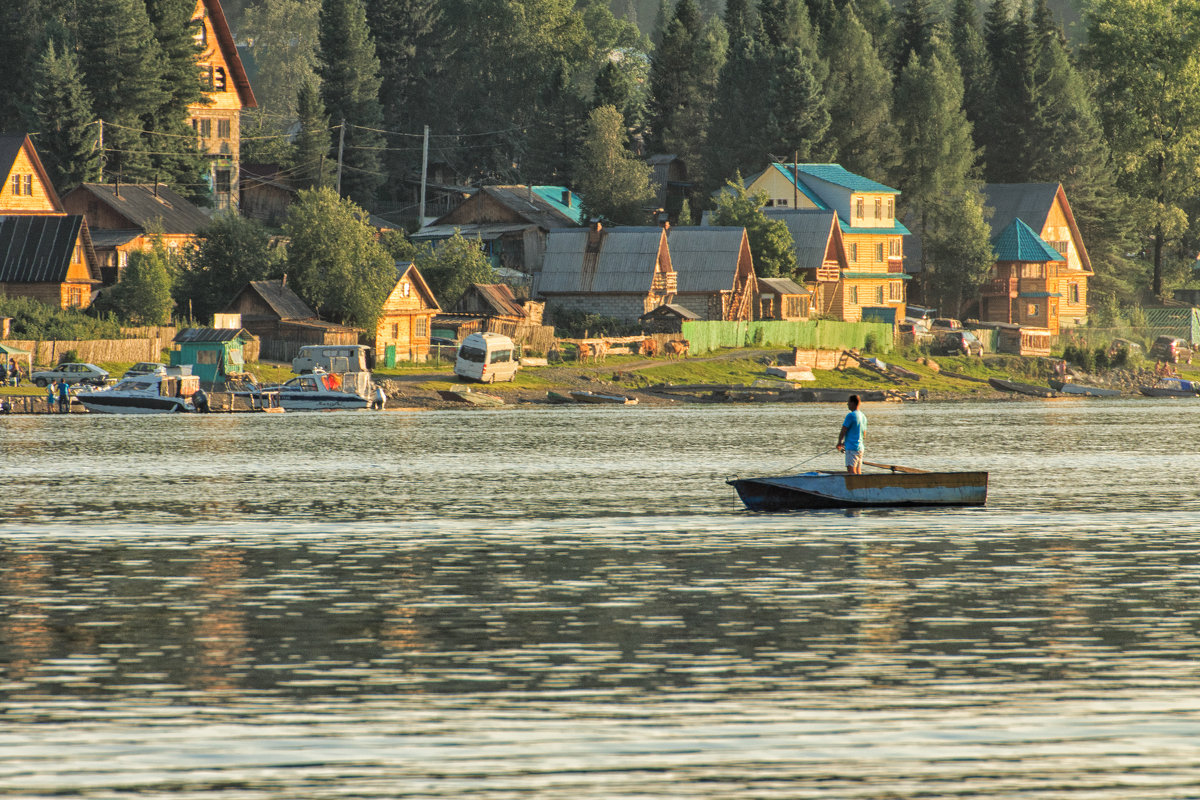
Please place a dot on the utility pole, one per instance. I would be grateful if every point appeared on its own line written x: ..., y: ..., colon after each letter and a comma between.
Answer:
x: 795, y: 179
x: 424, y: 171
x: 102, y: 151
x: 341, y: 147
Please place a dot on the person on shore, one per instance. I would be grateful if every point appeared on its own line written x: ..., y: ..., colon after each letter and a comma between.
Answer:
x: 379, y: 398
x: 64, y: 396
x: 14, y: 373
x: 3, y: 372
x: 51, y: 387
x: 850, y: 440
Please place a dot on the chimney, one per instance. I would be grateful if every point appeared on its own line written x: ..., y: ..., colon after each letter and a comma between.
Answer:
x: 284, y: 279
x: 594, y: 233
x: 566, y: 198
x: 662, y: 218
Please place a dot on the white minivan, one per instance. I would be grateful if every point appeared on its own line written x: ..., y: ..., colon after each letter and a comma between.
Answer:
x: 487, y: 358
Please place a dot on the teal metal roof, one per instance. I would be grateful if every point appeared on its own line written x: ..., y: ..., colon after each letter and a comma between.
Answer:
x: 1039, y: 294
x: 1019, y: 242
x: 897, y: 228
x: 883, y: 276
x: 840, y: 176
x: 554, y: 196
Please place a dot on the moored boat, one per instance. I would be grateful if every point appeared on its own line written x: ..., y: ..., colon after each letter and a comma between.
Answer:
x: 1066, y: 387
x: 318, y: 391
x: 468, y: 396
x: 1021, y: 388
x: 154, y: 393
x: 901, y: 486
x: 557, y: 398
x: 1170, y: 387
x: 601, y: 398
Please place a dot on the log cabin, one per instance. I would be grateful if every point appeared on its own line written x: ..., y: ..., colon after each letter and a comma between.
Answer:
x: 1025, y: 281
x: 406, y: 322
x: 282, y: 321
x: 715, y: 271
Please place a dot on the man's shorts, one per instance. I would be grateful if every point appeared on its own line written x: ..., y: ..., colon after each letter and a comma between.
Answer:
x: 854, y: 459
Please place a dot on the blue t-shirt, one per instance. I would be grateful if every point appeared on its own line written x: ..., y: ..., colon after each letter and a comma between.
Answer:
x: 856, y: 423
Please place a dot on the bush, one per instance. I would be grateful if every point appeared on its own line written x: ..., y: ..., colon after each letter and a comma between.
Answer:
x: 577, y: 324
x: 1120, y: 359
x: 1101, y: 359
x: 871, y: 343
x: 68, y: 356
x: 34, y: 320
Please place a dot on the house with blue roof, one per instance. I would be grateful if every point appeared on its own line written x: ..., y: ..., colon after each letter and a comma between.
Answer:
x: 510, y: 222
x: 1023, y: 288
x: 871, y: 284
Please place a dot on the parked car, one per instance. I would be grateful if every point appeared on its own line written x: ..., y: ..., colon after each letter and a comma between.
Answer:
x: 1128, y: 346
x: 945, y: 324
x: 1171, y: 349
x: 144, y: 368
x: 913, y: 331
x: 957, y: 343
x: 73, y: 373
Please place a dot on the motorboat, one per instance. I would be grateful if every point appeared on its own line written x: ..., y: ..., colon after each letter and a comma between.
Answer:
x: 1171, y: 387
x: 601, y: 398
x: 1030, y: 389
x: 1067, y: 387
x: 161, y: 392
x: 898, y: 486
x: 319, y: 391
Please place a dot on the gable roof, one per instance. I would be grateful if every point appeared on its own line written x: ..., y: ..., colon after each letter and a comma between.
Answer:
x: 1029, y: 202
x: 838, y: 176
x: 144, y: 207
x: 213, y: 335
x: 783, y: 286
x: 409, y: 269
x: 1019, y: 242
x: 705, y: 258
x: 38, y: 248
x: 499, y: 297
x: 280, y: 298
x: 811, y: 229
x: 10, y: 148
x: 670, y: 310
x: 229, y: 49
x: 539, y: 205
x: 624, y: 260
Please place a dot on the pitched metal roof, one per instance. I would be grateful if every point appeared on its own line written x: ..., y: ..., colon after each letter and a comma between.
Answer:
x: 897, y: 228
x: 783, y: 286
x: 229, y: 49
x: 37, y: 249
x: 144, y: 207
x: 675, y: 310
x: 1019, y: 242
x: 212, y: 335
x: 499, y: 297
x: 114, y: 237
x: 485, y: 231
x: 705, y: 258
x: 540, y: 205
x: 839, y: 176
x: 623, y: 260
x: 281, y: 299
x: 810, y: 229
x: 1029, y: 202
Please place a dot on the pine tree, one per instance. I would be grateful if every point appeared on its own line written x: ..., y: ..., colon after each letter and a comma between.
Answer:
x: 859, y: 92
x: 313, y: 166
x: 737, y: 135
x: 1008, y: 137
x: 20, y: 25
x: 942, y: 200
x: 350, y: 83
x: 554, y: 145
x: 966, y: 37
x: 914, y: 33
x: 798, y: 117
x: 614, y: 184
x: 68, y: 142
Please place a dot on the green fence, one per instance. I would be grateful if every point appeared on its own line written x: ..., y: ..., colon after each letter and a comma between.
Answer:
x: 1181, y: 322
x: 704, y: 337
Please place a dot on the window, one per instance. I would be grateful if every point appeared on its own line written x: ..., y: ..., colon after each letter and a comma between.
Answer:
x: 895, y: 290
x: 206, y: 357
x: 891, y: 211
x: 219, y: 79
x: 223, y: 128
x: 223, y: 181
x: 422, y: 328
x: 853, y: 294
x: 879, y: 251
x: 1033, y: 309
x: 16, y: 188
x: 894, y: 247
x: 395, y: 330
x: 1033, y: 270
x: 1061, y: 247
x: 781, y: 203
x: 1074, y: 293
x: 860, y: 208
x: 205, y: 128
x: 854, y: 251
x: 206, y: 76
x: 405, y: 289
x: 29, y: 184
x: 878, y: 207
x: 77, y: 255
x: 879, y: 295
x: 75, y: 297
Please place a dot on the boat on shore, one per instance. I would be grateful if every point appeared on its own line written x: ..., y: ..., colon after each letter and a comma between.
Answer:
x: 558, y: 398
x: 1016, y: 387
x: 468, y: 396
x: 1066, y: 387
x: 154, y: 393
x: 600, y: 398
x: 1170, y: 387
x: 898, y: 487
x: 318, y: 391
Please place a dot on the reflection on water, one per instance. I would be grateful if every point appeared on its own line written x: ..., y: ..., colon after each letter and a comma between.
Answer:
x: 571, y: 603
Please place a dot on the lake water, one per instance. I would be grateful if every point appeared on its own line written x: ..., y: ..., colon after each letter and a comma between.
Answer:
x: 570, y: 603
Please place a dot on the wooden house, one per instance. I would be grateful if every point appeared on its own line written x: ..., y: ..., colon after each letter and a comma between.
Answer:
x: 213, y: 353
x: 715, y: 271
x: 667, y: 318
x: 406, y: 322
x: 124, y: 218
x: 1044, y: 208
x: 498, y: 301
x: 872, y: 285
x: 783, y: 299
x: 266, y: 193
x: 820, y: 256
x: 216, y: 119
x: 45, y: 253
x: 1023, y: 287
x: 282, y: 321
x: 614, y: 272
x: 510, y: 222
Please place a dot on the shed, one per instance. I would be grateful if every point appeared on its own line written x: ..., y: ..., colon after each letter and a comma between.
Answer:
x: 212, y: 353
x: 667, y: 318
x: 783, y: 298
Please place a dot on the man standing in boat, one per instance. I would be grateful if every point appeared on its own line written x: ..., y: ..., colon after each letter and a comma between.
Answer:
x: 850, y: 440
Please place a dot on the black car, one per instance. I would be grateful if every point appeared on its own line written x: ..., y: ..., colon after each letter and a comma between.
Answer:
x: 1171, y: 349
x: 957, y: 343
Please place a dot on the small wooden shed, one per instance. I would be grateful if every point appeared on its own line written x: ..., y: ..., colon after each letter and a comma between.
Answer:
x: 783, y: 298
x: 667, y: 318
x: 212, y: 353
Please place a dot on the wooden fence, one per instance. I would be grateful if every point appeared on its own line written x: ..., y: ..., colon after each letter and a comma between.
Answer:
x: 91, y: 350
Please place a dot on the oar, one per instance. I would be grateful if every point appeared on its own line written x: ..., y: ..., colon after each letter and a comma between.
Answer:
x: 894, y: 467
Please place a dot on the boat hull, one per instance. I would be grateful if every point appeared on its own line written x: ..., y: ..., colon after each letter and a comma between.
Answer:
x: 1021, y: 388
x: 1084, y: 391
x: 604, y: 399
x: 842, y: 490
x: 100, y: 404
x: 316, y: 401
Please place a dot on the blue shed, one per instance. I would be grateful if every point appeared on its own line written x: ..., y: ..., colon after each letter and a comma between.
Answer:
x: 212, y: 353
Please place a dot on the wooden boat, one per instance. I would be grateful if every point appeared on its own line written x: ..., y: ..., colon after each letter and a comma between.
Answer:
x: 900, y: 486
x: 1022, y: 388
x: 1067, y: 387
x: 474, y: 398
x: 1170, y: 387
x: 597, y: 397
x: 555, y: 397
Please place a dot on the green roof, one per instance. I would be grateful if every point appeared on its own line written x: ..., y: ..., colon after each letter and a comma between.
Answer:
x: 1019, y: 242
x: 840, y: 176
x: 898, y: 227
x: 554, y: 196
x: 883, y: 276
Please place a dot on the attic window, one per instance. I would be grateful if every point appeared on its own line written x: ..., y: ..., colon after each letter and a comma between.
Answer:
x: 200, y: 37
x: 219, y: 79
x: 29, y: 184
x: 860, y: 208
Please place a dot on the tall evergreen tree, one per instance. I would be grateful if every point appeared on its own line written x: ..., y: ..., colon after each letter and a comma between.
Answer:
x: 1013, y: 47
x: 21, y: 24
x: 737, y: 140
x: 283, y: 38
x: 859, y: 92
x: 914, y: 33
x: 313, y: 166
x: 68, y: 136
x: 349, y: 73
x: 943, y: 204
x: 798, y: 118
x: 554, y: 145
x: 970, y: 50
x: 614, y: 184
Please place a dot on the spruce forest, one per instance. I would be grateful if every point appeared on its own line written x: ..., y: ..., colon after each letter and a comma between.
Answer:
x: 933, y: 97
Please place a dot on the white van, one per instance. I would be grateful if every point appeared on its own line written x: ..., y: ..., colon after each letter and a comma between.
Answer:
x: 487, y: 358
x: 331, y: 358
